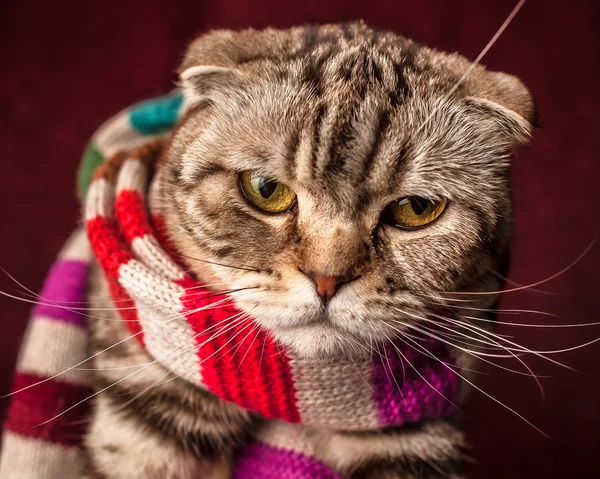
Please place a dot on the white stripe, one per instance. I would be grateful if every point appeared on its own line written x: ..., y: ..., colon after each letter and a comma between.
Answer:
x: 171, y: 342
x: 168, y: 336
x: 52, y: 347
x: 30, y: 458
x: 77, y: 247
x: 324, y: 389
x: 133, y: 175
x: 296, y: 437
x: 117, y: 134
x: 151, y: 254
x: 99, y: 200
x: 154, y: 200
x: 143, y: 284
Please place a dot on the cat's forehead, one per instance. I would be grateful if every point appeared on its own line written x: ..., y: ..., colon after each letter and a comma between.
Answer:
x: 355, y: 118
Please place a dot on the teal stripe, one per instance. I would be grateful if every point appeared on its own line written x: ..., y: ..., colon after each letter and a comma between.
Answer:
x: 156, y: 116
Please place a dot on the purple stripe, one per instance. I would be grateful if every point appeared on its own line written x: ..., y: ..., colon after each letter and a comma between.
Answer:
x: 402, y: 395
x: 65, y: 285
x: 261, y: 461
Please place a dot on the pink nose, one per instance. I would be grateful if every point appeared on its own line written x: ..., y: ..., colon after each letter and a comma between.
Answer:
x: 327, y: 286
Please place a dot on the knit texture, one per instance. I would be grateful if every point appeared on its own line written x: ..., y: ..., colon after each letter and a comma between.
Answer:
x: 175, y: 318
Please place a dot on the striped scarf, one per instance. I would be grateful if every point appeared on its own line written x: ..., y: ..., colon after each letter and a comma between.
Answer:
x: 176, y: 320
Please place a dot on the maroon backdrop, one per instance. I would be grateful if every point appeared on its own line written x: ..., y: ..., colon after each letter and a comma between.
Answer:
x: 67, y: 66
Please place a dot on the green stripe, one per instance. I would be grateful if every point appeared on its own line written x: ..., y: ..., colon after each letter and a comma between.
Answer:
x: 92, y: 159
x: 152, y: 117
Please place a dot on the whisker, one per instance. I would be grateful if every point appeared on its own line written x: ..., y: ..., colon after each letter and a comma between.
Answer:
x: 79, y: 312
x: 475, y: 354
x: 234, y: 320
x: 482, y: 391
x: 417, y: 371
x: 36, y: 295
x: 520, y: 347
x: 181, y: 255
x: 503, y: 311
x: 524, y: 325
x: 102, y: 390
x: 468, y: 71
x: 98, y: 353
x: 537, y: 283
x: 479, y: 331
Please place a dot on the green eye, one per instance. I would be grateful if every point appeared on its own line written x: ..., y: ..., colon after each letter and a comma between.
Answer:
x: 414, y: 211
x: 266, y: 194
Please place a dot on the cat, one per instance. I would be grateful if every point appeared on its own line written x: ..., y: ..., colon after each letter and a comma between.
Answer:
x: 355, y: 181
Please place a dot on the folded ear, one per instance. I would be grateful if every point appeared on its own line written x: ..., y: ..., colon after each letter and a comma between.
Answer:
x: 208, y: 83
x: 218, y: 60
x: 507, y: 99
x: 209, y: 67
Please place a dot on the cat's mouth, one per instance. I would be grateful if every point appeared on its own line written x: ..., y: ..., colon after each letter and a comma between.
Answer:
x: 320, y: 339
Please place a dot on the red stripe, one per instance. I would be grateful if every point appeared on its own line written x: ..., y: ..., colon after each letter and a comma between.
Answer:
x: 256, y: 375
x: 112, y: 252
x: 108, y: 244
x: 127, y: 309
x: 39, y: 403
x: 130, y: 207
x: 160, y: 234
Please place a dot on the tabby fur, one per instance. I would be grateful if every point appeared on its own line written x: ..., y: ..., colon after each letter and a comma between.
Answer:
x: 351, y: 118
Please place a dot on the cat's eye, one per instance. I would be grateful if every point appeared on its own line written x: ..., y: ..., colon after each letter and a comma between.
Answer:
x: 414, y: 211
x: 266, y: 194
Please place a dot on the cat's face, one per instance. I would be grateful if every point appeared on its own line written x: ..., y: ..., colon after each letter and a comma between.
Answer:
x: 345, y: 185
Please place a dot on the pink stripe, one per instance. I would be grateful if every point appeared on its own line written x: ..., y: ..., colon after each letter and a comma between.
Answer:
x: 403, y: 395
x: 261, y: 461
x: 65, y: 286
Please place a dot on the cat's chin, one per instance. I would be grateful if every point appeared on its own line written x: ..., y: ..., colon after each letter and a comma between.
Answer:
x: 321, y: 341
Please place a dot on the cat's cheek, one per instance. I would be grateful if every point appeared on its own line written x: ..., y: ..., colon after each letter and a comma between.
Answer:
x: 421, y: 256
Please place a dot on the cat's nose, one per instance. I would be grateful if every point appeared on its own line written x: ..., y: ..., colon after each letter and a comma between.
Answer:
x: 327, y: 286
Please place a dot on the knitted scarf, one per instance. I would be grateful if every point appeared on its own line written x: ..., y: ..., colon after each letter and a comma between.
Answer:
x: 177, y: 321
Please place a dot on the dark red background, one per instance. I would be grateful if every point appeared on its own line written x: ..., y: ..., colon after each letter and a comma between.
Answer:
x: 67, y: 66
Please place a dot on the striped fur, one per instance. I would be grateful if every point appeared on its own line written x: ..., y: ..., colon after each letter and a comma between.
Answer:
x: 351, y: 119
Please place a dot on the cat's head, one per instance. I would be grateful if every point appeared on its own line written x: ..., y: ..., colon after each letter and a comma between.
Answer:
x: 341, y: 180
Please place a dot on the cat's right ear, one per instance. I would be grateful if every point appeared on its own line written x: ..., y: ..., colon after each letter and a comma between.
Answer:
x: 208, y: 83
x: 209, y: 69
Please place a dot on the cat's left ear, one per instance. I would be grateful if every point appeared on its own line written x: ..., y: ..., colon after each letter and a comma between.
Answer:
x: 508, y: 100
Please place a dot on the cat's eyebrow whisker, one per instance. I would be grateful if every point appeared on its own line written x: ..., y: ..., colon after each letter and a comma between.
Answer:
x: 471, y: 67
x: 424, y: 350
